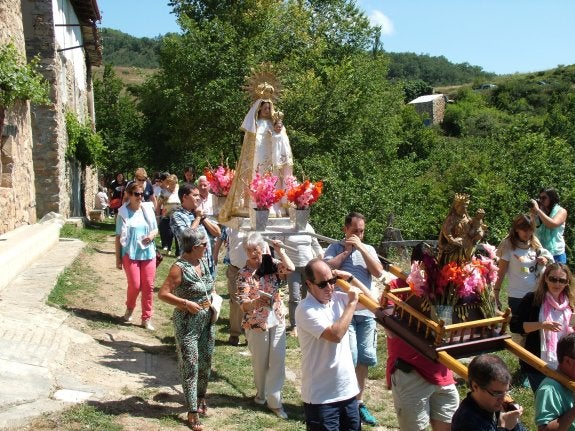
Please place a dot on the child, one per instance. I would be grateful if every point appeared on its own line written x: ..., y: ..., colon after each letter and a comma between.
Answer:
x: 282, y: 157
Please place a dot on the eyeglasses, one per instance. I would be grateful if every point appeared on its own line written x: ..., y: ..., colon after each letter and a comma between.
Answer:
x: 557, y: 280
x: 323, y: 284
x: 203, y: 244
x: 496, y: 394
x: 138, y: 194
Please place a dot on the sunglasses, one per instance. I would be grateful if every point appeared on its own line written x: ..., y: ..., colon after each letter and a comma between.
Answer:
x: 141, y: 179
x: 557, y: 280
x: 496, y: 394
x: 138, y: 194
x: 323, y: 284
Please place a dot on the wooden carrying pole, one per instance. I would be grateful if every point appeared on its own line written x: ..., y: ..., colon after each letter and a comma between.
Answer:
x: 454, y: 365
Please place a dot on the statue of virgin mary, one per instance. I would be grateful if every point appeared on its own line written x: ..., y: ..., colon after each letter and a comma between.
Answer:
x: 256, y: 154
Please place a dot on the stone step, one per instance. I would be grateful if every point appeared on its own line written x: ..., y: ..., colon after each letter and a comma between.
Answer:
x: 22, y: 246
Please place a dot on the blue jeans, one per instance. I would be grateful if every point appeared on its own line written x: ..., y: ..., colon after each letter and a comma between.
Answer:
x: 560, y: 258
x: 338, y: 416
x: 363, y: 340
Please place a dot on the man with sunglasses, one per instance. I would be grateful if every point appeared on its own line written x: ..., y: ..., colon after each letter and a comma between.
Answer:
x: 484, y: 408
x: 361, y: 261
x: 190, y: 214
x: 554, y: 403
x: 329, y: 385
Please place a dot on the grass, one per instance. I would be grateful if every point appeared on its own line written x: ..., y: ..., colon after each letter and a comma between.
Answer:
x: 231, y: 388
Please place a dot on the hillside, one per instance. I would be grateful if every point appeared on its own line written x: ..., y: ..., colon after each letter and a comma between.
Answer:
x: 127, y: 74
x: 123, y: 50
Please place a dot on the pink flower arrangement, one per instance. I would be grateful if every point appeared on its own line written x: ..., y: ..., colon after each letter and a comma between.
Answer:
x: 454, y: 283
x: 302, y: 195
x: 220, y: 179
x: 263, y: 190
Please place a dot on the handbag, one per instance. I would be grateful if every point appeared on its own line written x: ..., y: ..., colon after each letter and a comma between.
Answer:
x: 115, y: 203
x: 159, y: 258
x: 216, y: 306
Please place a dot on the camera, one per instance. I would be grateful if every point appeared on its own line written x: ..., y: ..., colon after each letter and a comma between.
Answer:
x: 530, y: 203
x: 267, y: 266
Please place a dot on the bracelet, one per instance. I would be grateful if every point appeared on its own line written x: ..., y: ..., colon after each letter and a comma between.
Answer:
x: 349, y: 279
x: 186, y: 304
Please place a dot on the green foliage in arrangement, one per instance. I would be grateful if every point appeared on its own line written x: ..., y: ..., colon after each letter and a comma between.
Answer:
x: 20, y: 80
x: 84, y: 144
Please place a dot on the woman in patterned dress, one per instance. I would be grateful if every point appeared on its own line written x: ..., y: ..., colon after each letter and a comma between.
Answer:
x: 188, y: 287
x: 264, y: 319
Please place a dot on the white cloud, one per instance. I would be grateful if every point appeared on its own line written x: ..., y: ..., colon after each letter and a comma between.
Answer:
x: 378, y: 18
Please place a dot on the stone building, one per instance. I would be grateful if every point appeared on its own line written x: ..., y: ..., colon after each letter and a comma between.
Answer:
x: 431, y: 107
x: 37, y: 177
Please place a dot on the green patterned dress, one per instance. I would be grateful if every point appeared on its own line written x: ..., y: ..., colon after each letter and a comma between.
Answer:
x: 194, y: 333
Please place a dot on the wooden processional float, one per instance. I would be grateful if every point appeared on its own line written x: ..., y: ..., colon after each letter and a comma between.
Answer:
x: 445, y: 343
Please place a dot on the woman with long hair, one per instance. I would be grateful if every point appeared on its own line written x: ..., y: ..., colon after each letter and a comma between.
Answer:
x: 549, y: 218
x: 544, y: 316
x: 136, y: 229
x: 519, y: 255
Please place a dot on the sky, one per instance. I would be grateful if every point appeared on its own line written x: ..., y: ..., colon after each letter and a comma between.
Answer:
x: 501, y: 36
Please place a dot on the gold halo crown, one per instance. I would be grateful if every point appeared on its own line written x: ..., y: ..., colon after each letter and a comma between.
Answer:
x: 265, y: 91
x: 461, y: 198
x: 263, y: 83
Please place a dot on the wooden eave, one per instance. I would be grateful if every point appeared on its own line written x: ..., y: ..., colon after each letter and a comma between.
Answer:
x: 88, y: 14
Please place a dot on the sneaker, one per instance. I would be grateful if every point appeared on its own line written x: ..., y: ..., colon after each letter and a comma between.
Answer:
x: 127, y: 317
x: 279, y: 412
x: 147, y: 324
x: 259, y: 401
x: 366, y: 417
x: 234, y: 340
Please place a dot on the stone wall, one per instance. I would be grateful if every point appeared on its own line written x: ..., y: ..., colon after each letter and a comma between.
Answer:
x: 17, y: 192
x: 37, y: 177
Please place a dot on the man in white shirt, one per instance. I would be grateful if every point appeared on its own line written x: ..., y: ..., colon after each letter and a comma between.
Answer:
x: 329, y: 385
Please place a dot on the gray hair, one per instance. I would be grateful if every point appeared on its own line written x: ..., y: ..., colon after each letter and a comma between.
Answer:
x: 192, y: 237
x: 255, y: 239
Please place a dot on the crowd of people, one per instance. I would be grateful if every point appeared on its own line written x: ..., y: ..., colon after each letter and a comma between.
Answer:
x: 337, y: 335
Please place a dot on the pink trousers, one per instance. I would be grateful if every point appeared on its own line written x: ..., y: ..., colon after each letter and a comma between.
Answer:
x: 140, y: 275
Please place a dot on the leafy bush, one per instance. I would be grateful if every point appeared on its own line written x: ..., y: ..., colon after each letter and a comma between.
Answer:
x: 20, y: 80
x: 84, y: 144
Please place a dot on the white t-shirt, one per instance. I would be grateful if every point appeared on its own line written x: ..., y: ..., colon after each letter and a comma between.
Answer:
x: 207, y: 205
x: 307, y: 247
x: 521, y: 270
x: 328, y: 374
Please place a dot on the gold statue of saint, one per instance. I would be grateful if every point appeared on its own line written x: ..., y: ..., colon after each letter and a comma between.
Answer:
x: 460, y: 233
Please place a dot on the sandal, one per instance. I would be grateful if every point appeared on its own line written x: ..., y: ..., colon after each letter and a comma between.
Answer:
x: 194, y: 422
x: 202, y: 407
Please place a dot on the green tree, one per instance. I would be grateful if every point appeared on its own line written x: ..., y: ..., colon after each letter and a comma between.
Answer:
x: 119, y: 124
